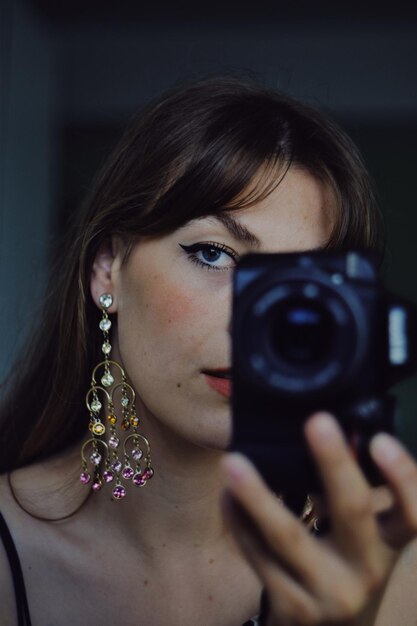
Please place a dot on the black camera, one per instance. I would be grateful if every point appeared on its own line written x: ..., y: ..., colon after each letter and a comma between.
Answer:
x: 314, y: 331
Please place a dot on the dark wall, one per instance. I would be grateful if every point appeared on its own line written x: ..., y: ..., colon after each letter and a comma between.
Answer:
x: 72, y: 73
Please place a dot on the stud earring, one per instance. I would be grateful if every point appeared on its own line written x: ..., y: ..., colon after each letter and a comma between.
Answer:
x: 100, y: 458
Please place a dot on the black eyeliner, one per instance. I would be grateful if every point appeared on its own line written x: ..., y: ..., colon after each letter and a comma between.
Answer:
x: 192, y: 249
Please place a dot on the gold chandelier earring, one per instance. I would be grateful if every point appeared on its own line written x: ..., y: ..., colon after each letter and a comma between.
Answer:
x: 104, y: 458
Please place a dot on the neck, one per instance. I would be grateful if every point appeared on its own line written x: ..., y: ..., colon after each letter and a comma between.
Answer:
x: 178, y: 507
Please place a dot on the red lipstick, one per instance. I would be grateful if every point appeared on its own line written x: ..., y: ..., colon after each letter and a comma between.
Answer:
x: 220, y: 381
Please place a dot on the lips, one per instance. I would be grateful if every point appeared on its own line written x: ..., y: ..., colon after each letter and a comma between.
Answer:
x: 220, y: 381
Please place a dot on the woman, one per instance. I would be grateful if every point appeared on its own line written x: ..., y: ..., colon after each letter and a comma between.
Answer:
x: 136, y: 328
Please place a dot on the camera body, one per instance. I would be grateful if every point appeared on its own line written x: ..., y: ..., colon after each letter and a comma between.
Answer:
x: 314, y: 331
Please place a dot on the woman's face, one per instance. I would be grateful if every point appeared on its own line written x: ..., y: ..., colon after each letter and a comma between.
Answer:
x: 173, y: 304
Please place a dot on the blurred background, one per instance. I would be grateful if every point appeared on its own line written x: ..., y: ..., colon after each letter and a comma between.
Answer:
x: 72, y: 72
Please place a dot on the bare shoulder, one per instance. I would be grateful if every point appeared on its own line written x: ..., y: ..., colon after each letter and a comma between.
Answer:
x: 399, y: 605
x: 7, y: 599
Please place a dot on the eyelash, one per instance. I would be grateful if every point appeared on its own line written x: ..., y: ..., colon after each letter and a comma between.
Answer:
x: 209, y: 245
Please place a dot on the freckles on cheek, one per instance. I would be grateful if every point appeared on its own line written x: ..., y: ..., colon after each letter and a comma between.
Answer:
x: 173, y: 307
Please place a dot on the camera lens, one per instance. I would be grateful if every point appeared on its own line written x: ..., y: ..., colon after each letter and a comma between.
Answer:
x: 301, y: 332
x: 298, y: 331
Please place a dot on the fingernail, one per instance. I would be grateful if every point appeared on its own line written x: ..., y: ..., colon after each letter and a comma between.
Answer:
x: 236, y: 468
x: 384, y: 448
x: 323, y: 427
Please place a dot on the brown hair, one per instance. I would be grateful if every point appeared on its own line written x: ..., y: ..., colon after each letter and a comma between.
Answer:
x: 191, y: 153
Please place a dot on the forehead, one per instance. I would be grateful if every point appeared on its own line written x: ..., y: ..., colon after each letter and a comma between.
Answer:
x: 297, y: 215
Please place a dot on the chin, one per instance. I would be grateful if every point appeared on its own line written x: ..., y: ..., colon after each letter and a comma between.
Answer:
x: 220, y: 440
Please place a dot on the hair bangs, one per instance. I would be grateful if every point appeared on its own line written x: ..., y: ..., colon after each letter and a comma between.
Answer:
x: 223, y: 179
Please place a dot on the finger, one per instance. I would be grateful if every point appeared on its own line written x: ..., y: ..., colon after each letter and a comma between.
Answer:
x: 382, y: 499
x: 279, y: 537
x: 285, y: 536
x: 337, y: 595
x: 400, y: 471
x: 289, y: 602
x: 349, y: 497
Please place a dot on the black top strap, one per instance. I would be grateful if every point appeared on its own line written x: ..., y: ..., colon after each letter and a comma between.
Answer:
x: 23, y: 615
x: 22, y: 606
x: 260, y: 620
x: 263, y: 616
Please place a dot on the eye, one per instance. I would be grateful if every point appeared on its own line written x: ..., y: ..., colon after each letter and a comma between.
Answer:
x: 211, y: 255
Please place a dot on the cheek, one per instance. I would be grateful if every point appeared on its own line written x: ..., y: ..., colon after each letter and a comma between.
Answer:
x: 164, y: 316
x: 172, y: 306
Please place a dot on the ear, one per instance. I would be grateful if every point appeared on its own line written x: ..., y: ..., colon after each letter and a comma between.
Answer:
x: 103, y: 273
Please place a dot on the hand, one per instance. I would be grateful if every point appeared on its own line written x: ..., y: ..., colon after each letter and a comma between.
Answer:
x: 340, y: 580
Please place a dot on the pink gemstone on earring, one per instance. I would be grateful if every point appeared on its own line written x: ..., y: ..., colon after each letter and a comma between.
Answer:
x: 119, y: 492
x: 138, y: 480
x: 85, y: 478
x: 114, y: 442
x: 127, y: 472
x: 97, y: 484
x: 108, y: 476
x: 137, y: 454
x: 147, y: 473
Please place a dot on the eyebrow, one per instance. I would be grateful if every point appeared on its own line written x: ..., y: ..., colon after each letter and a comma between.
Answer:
x: 237, y: 230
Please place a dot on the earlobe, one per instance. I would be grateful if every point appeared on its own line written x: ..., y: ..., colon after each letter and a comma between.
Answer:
x: 102, y: 274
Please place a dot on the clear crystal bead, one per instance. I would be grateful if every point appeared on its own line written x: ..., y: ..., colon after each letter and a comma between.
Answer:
x: 116, y: 466
x: 105, y: 324
x: 137, y: 454
x: 106, y: 300
x: 96, y: 405
x: 107, y: 379
x: 106, y: 348
x: 114, y: 442
x: 95, y: 458
x: 125, y: 401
